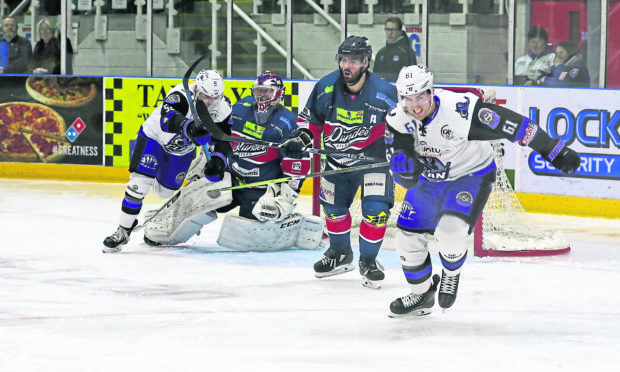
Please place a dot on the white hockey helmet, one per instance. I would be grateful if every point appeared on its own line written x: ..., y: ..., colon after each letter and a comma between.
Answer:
x: 414, y: 79
x: 210, y: 83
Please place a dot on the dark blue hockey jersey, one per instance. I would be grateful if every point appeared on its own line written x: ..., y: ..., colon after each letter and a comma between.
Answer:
x: 253, y: 163
x: 351, y: 123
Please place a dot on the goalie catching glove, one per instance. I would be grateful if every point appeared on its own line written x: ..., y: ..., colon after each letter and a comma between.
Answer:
x: 276, y: 204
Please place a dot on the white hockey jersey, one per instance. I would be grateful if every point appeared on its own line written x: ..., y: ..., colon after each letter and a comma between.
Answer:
x: 152, y: 127
x: 442, y: 142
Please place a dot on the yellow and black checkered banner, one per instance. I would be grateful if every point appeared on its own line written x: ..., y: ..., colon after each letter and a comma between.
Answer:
x: 130, y: 101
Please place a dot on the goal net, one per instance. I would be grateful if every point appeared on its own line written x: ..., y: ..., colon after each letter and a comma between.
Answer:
x: 504, y: 229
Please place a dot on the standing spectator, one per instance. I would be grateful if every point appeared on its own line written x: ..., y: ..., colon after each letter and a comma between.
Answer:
x: 350, y: 106
x: 46, y: 53
x: 396, y: 53
x: 15, y: 51
x: 537, y: 60
x: 568, y: 70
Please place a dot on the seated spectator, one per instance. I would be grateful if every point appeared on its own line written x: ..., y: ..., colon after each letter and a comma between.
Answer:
x: 15, y: 51
x: 568, y: 69
x: 46, y: 53
x: 396, y: 53
x: 538, y: 59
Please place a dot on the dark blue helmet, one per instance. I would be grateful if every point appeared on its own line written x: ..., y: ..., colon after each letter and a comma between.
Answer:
x: 355, y: 46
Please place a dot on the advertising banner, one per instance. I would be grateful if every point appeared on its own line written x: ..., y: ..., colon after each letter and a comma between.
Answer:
x: 130, y: 101
x: 589, y: 121
x: 51, y: 119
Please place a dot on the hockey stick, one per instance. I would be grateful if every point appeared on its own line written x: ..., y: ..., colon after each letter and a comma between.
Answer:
x: 215, y: 193
x: 219, y: 134
x: 192, y: 107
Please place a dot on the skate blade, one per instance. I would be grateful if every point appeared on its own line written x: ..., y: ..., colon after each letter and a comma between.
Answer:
x: 371, y: 284
x: 414, y: 314
x: 339, y: 270
x: 112, y: 250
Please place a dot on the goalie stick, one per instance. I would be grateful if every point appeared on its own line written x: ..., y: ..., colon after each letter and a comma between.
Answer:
x: 192, y: 107
x: 215, y: 193
x: 219, y: 134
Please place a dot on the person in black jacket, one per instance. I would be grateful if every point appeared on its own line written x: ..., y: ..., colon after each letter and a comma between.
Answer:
x: 15, y: 51
x: 396, y: 53
x: 46, y: 54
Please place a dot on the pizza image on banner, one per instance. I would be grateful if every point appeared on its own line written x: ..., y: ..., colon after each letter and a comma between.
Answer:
x: 30, y: 132
x: 61, y: 91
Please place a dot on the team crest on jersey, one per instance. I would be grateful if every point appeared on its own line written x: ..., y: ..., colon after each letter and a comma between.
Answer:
x: 173, y: 98
x: 463, y: 108
x: 446, y: 132
x: 488, y: 117
x: 148, y: 161
x: 349, y: 117
x: 464, y: 198
x: 179, y: 145
x: 342, y: 137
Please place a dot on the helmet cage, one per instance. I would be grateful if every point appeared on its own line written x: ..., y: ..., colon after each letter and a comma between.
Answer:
x: 268, y: 90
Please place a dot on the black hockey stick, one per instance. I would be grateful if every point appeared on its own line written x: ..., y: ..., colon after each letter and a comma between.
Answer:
x: 219, y: 134
x: 192, y: 106
x: 215, y: 193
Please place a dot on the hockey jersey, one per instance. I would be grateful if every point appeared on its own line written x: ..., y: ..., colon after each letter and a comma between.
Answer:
x: 441, y: 142
x: 172, y: 139
x: 250, y: 163
x: 352, y: 123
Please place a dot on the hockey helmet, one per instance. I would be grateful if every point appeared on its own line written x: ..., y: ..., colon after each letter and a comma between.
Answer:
x: 414, y: 79
x: 210, y: 83
x: 268, y: 90
x: 355, y: 46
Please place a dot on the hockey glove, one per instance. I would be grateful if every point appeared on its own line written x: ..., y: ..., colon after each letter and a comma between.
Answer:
x: 215, y: 168
x: 563, y: 158
x: 298, y: 141
x: 404, y: 170
x: 196, y: 133
x: 276, y: 204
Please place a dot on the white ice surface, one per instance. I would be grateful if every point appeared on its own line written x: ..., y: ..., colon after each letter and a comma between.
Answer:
x: 65, y: 306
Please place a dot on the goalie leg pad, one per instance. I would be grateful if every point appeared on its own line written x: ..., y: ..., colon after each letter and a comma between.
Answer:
x: 250, y: 235
x: 189, y: 212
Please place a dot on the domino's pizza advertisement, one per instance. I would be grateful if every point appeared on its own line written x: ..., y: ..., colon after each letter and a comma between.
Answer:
x: 51, y: 119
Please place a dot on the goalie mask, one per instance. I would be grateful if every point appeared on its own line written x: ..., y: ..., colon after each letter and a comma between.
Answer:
x: 357, y: 51
x: 209, y: 83
x: 268, y: 91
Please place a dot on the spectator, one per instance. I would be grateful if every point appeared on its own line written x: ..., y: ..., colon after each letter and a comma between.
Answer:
x: 46, y: 53
x: 396, y: 53
x: 537, y: 60
x: 568, y: 70
x: 15, y: 51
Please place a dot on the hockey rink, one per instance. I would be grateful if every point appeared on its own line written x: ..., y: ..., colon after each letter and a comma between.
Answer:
x: 65, y: 306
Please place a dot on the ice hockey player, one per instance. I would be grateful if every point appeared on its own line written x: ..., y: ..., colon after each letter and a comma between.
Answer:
x: 266, y: 220
x: 165, y: 146
x: 439, y: 150
x: 350, y: 105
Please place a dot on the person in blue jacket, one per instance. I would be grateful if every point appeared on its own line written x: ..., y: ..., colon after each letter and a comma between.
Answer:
x: 568, y: 69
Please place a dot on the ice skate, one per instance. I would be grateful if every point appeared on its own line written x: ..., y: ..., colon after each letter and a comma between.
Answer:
x: 372, y: 273
x: 447, y: 290
x: 415, y: 304
x: 334, y: 263
x: 116, y: 241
